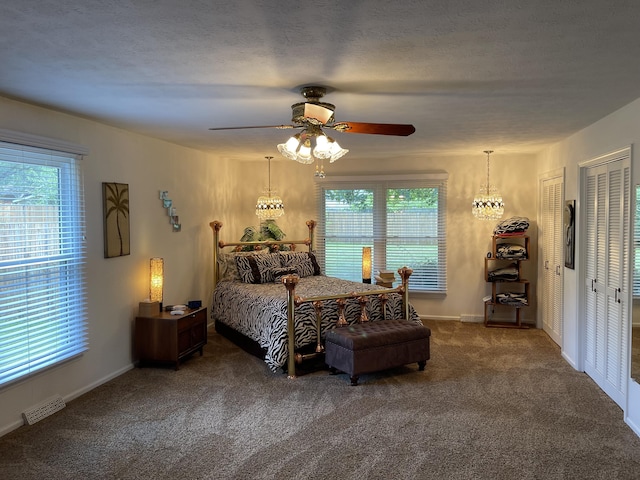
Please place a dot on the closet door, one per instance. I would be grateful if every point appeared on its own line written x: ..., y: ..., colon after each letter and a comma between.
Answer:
x: 607, y: 194
x: 552, y: 261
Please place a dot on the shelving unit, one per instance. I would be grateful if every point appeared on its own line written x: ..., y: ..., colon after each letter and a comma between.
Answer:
x: 510, y: 284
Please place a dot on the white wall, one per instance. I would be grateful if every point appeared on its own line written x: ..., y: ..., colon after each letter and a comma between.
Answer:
x: 468, y: 239
x: 618, y: 130
x: 196, y: 183
x: 206, y: 188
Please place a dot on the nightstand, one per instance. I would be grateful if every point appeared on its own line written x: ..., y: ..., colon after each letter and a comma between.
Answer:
x: 170, y: 339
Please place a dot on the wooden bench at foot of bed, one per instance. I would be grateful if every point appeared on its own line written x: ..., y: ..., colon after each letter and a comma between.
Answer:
x: 375, y: 346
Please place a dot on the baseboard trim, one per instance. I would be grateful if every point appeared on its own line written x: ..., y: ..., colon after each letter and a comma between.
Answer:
x: 97, y: 383
x: 438, y: 317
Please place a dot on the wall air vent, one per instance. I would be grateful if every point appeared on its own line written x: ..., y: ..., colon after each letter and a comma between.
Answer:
x: 42, y: 410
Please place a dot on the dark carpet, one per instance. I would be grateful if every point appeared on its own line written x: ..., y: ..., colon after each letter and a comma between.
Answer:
x: 491, y: 404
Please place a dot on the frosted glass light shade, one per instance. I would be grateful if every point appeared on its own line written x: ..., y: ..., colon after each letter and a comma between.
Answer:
x: 289, y: 149
x: 323, y: 147
x: 337, y: 151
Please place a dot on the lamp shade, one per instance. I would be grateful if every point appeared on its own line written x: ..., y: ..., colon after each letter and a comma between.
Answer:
x: 156, y: 279
x: 290, y: 148
x: 366, y: 264
x: 322, y: 149
x: 336, y: 151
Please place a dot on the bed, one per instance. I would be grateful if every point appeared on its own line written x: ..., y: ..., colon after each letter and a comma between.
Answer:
x: 271, y: 302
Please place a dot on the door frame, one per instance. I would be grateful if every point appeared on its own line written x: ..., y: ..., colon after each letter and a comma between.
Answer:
x: 580, y: 264
x: 553, y: 174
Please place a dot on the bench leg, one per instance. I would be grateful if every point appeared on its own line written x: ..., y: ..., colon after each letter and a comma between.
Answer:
x: 421, y: 365
x: 354, y: 380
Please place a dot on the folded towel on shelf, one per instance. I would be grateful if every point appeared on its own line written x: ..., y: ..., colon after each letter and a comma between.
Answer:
x: 506, y: 274
x: 511, y: 251
x: 516, y: 299
x: 513, y: 225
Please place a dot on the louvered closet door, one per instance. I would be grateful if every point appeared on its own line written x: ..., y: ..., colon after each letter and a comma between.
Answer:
x: 552, y: 261
x: 607, y: 194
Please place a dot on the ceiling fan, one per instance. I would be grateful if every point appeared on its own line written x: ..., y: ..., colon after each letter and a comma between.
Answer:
x: 314, y: 115
x: 315, y: 112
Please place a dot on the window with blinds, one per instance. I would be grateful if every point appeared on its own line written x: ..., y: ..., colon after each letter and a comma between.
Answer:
x: 403, y: 220
x: 42, y: 259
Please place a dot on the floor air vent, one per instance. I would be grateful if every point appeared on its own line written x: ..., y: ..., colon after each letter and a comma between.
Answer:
x: 42, y: 410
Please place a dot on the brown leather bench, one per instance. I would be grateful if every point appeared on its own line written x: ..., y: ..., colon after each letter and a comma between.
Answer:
x: 374, y: 346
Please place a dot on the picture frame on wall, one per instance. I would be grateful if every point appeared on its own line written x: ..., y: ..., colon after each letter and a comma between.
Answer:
x: 569, y: 224
x: 115, y: 201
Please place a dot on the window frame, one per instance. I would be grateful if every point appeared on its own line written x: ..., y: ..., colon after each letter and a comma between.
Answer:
x: 68, y: 321
x: 364, y: 182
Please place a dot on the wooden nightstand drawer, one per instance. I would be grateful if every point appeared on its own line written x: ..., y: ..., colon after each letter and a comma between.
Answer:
x: 167, y: 338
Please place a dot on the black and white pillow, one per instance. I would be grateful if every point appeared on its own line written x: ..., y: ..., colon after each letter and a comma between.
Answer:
x: 305, y: 262
x: 227, y: 264
x: 257, y: 268
x: 281, y: 272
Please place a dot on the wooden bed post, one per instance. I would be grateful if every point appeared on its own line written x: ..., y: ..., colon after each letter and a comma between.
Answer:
x: 405, y: 273
x: 215, y: 226
x: 290, y: 282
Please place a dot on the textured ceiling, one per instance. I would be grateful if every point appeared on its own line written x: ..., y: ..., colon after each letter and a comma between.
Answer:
x: 508, y: 75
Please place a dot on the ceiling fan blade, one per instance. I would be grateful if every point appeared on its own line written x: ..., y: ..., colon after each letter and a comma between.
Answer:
x: 281, y: 127
x: 398, y: 129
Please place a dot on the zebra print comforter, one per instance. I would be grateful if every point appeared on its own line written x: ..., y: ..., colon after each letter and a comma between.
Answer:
x: 259, y: 311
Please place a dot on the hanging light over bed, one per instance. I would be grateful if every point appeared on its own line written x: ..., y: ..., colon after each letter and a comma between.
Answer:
x: 488, y: 204
x: 269, y: 205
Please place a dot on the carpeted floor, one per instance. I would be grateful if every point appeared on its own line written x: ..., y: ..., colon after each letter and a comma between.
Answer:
x: 491, y: 404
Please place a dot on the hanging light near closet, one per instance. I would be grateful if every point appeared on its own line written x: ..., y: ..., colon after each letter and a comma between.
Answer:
x: 488, y: 204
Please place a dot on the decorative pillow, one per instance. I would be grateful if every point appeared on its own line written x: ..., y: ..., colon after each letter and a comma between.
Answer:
x: 257, y: 268
x: 227, y: 264
x: 280, y: 272
x: 304, y: 262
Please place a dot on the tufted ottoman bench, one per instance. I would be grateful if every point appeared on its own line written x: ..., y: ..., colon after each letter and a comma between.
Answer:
x: 374, y: 346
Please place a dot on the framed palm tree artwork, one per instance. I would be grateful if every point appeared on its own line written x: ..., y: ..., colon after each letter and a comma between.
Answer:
x: 115, y: 201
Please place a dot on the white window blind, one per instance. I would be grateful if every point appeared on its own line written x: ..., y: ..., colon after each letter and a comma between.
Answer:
x: 42, y: 259
x: 404, y: 221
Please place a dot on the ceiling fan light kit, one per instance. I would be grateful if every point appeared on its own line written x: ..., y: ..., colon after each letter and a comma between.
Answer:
x: 312, y: 144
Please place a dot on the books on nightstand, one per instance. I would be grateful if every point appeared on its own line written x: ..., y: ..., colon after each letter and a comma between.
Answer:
x: 385, y: 278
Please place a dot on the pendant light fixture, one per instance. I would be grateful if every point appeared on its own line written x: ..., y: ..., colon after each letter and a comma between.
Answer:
x: 269, y: 205
x: 488, y: 204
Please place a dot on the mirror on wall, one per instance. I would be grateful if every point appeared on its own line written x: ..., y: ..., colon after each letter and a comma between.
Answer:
x: 635, y: 311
